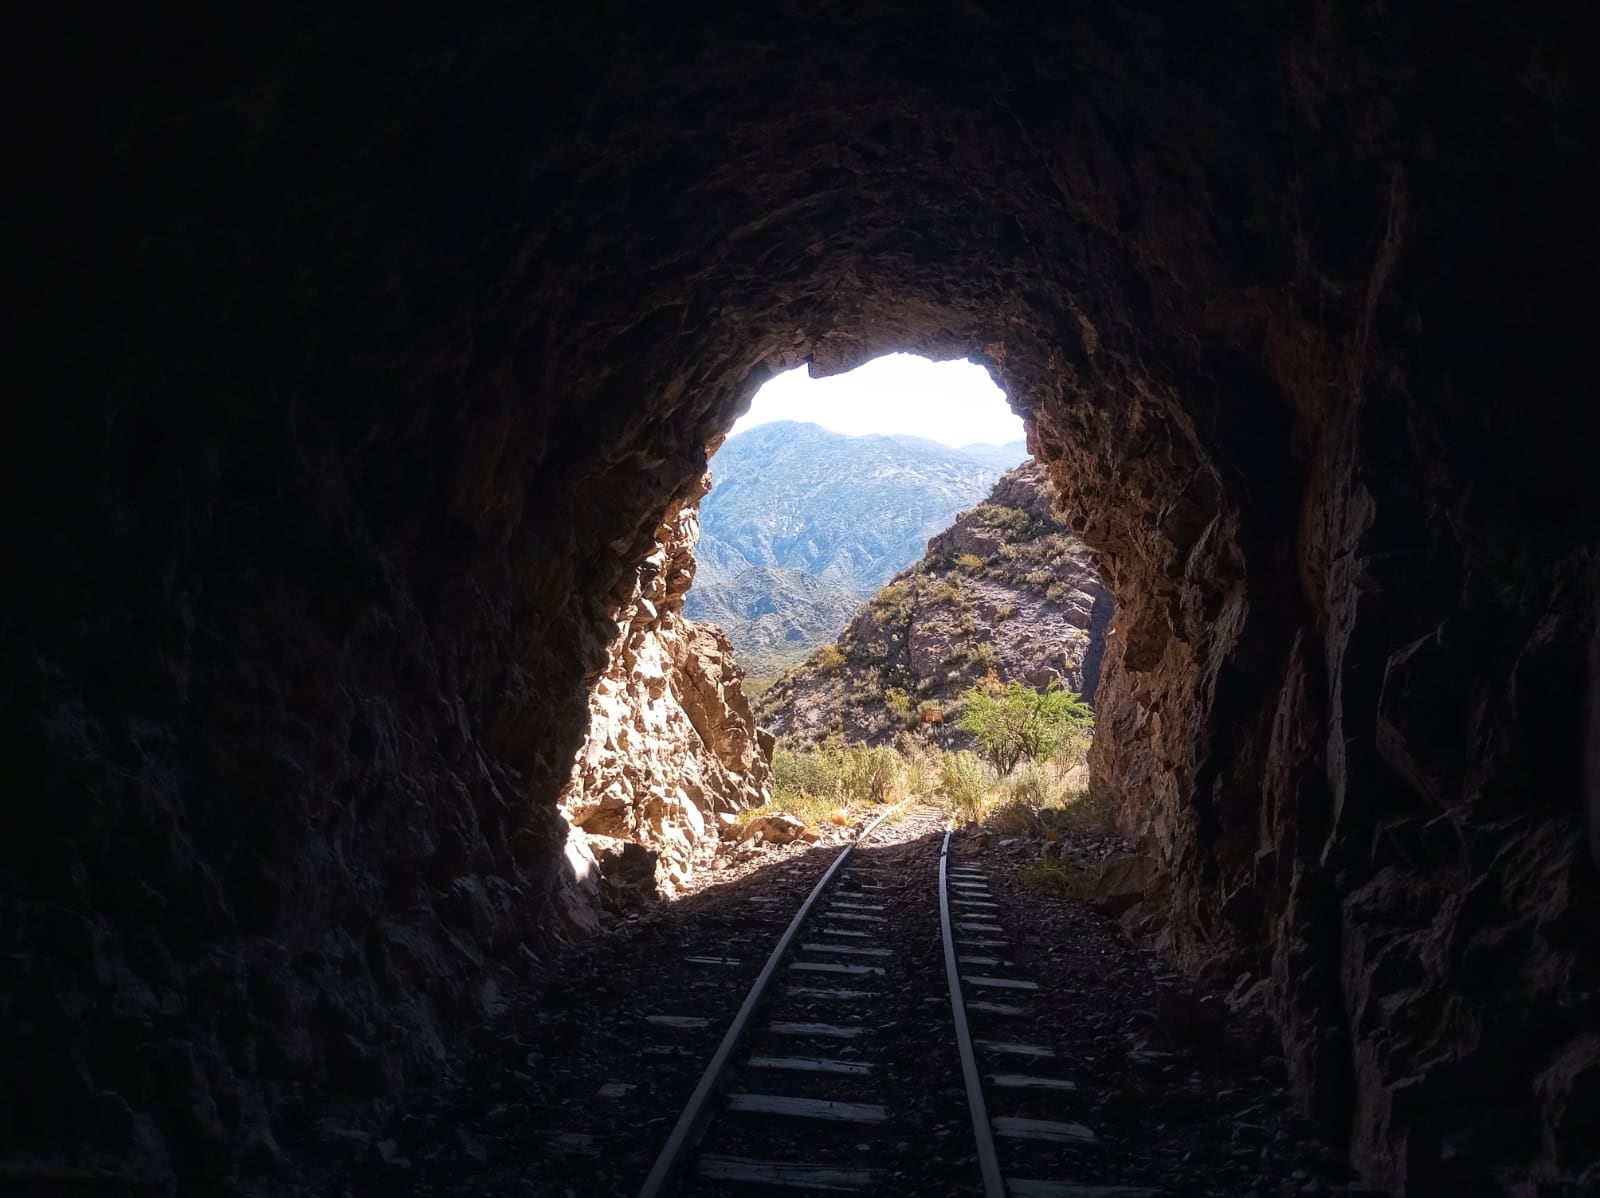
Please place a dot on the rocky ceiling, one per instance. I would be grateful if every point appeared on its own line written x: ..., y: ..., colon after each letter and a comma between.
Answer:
x: 362, y: 358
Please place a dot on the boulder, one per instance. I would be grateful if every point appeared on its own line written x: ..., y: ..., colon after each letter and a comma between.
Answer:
x: 774, y: 828
x: 625, y: 863
x: 1124, y: 881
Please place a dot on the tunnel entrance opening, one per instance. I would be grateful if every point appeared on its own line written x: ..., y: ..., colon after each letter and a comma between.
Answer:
x: 887, y: 602
x: 829, y: 486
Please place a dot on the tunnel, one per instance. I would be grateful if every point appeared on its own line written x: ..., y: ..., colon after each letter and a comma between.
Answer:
x: 361, y: 356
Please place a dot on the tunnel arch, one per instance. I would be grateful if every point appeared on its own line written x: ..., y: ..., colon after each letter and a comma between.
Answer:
x: 369, y: 354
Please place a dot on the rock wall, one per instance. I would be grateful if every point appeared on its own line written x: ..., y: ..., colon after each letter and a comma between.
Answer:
x: 1368, y: 821
x: 360, y: 355
x: 673, y: 751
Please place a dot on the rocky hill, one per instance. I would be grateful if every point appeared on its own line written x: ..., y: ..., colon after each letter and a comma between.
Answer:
x: 803, y: 524
x: 1006, y: 588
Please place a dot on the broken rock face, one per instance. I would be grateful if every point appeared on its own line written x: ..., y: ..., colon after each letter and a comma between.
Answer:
x: 672, y: 744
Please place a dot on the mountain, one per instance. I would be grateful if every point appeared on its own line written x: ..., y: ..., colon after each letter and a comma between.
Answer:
x: 779, y: 614
x: 1007, y: 588
x: 793, y: 501
x: 998, y: 458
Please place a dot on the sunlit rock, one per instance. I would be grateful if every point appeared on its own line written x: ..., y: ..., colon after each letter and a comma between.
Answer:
x: 672, y: 741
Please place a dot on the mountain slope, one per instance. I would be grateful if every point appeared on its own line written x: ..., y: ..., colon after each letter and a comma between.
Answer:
x: 1007, y: 588
x: 779, y: 614
x: 846, y: 511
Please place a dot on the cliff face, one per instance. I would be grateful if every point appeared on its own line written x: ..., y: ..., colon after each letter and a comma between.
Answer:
x: 1006, y: 588
x: 672, y: 743
x: 1349, y: 805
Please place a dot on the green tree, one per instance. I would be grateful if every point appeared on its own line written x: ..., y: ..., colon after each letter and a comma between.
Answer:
x: 1019, y: 722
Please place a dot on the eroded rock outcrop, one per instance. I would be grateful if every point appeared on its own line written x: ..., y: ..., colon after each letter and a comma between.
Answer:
x: 1006, y: 589
x: 672, y: 743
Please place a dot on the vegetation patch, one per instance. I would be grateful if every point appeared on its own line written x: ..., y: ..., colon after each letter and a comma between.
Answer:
x: 964, y: 783
x: 1080, y: 809
x: 1036, y: 798
x: 838, y: 774
x: 830, y: 657
x: 1014, y: 722
x: 1059, y: 878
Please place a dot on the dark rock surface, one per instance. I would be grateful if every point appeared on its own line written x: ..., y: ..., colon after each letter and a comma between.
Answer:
x: 358, y: 357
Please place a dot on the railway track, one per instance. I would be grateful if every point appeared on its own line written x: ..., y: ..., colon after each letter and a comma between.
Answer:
x: 807, y: 1091
x: 1016, y: 1088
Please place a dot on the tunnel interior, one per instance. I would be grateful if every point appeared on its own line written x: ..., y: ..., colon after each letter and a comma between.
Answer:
x: 365, y: 359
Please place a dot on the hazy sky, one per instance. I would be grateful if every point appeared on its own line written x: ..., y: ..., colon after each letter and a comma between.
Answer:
x: 952, y: 402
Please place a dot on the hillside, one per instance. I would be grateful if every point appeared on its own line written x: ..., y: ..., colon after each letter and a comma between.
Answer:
x: 802, y: 524
x: 779, y: 615
x: 1006, y: 588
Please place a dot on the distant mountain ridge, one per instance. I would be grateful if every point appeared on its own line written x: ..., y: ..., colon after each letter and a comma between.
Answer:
x: 781, y: 614
x: 802, y: 524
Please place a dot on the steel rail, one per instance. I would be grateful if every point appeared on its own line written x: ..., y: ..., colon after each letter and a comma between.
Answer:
x: 695, y: 1112
x: 994, y: 1185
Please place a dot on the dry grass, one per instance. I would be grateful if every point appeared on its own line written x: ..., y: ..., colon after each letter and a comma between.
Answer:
x: 964, y: 784
x: 836, y: 783
x: 1053, y: 794
x: 1081, y: 810
x: 1013, y: 817
x: 813, y: 809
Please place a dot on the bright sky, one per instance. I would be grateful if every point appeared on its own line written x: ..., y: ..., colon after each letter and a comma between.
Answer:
x: 953, y: 402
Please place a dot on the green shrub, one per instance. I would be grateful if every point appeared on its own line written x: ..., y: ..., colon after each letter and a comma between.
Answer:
x: 1011, y: 520
x: 829, y: 657
x: 813, y: 809
x: 1073, y: 747
x: 873, y: 774
x: 1022, y: 722
x: 970, y: 562
x: 921, y: 761
x: 1004, y: 612
x: 897, y: 701
x: 891, y: 596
